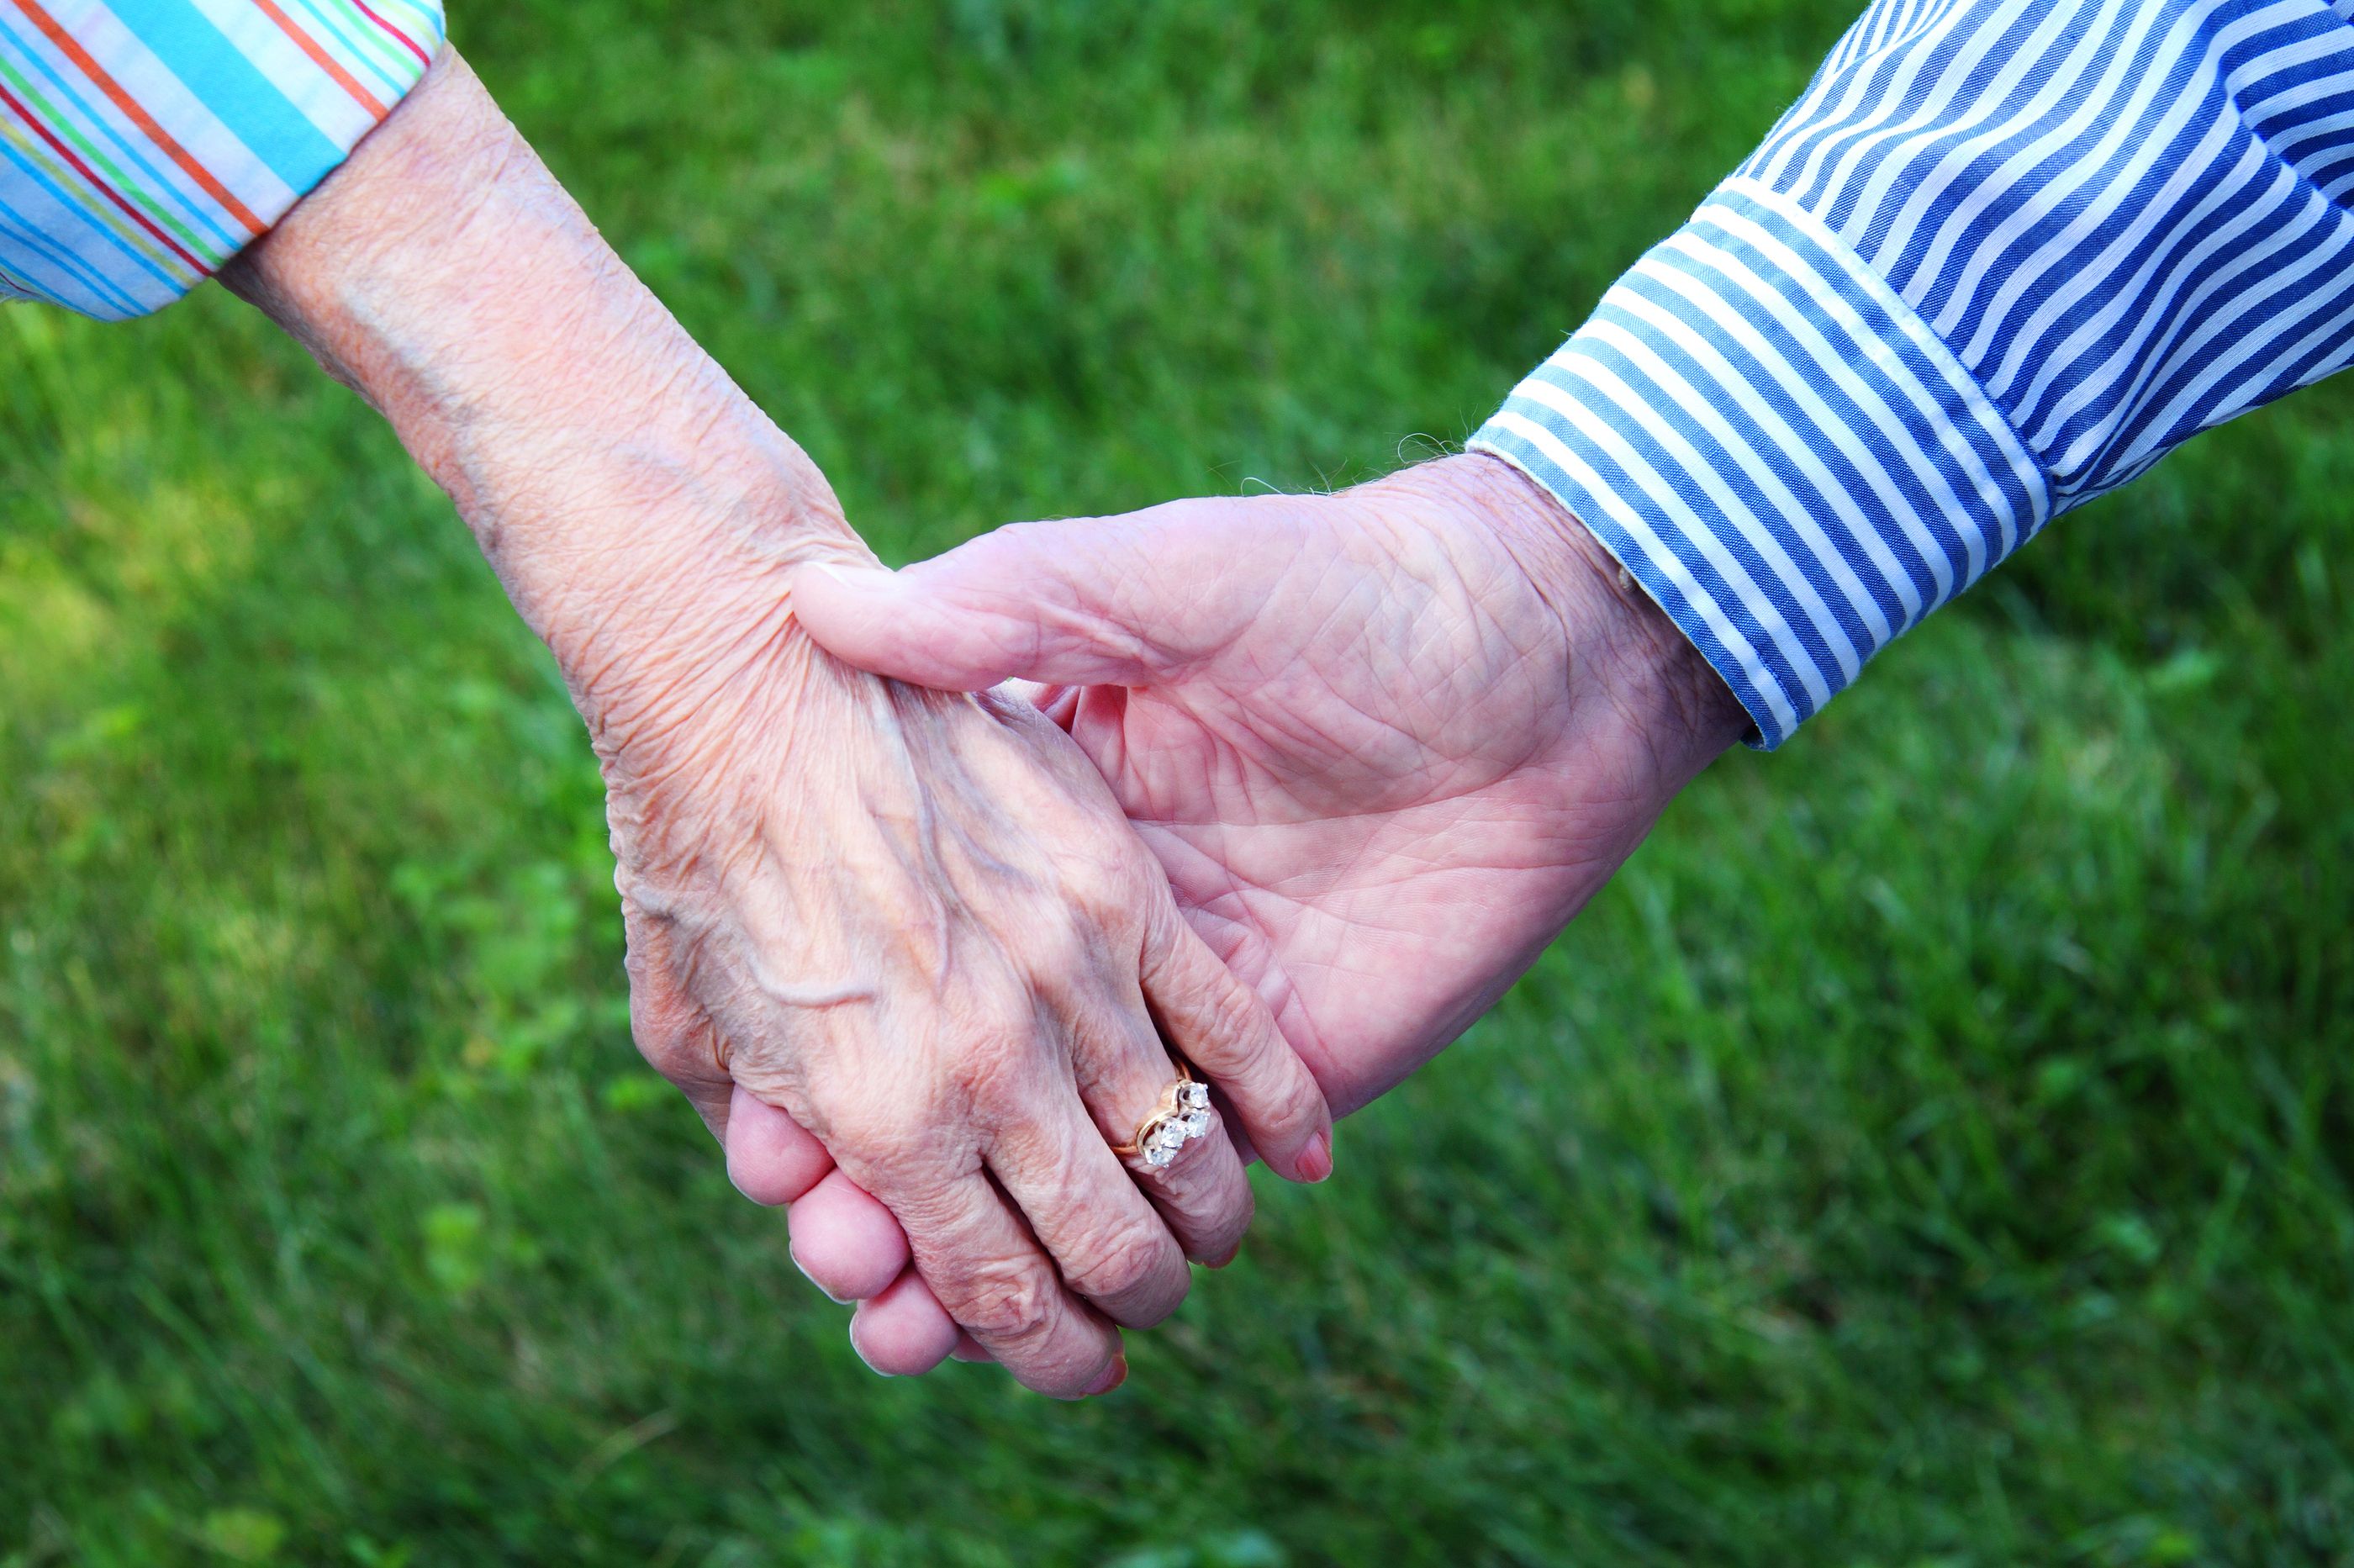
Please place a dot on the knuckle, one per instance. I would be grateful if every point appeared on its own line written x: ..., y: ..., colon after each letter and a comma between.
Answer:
x: 879, y: 1161
x: 1207, y: 1187
x: 681, y: 1044
x: 1236, y: 1024
x: 1226, y: 1217
x: 1133, y: 884
x: 890, y: 1134
x: 1122, y: 1264
x: 1108, y: 874
x: 1294, y: 1111
x: 904, y: 1160
x: 1110, y: 848
x: 1007, y: 1303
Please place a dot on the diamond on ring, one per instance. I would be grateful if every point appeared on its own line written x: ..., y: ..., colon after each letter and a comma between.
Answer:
x: 1182, y: 1116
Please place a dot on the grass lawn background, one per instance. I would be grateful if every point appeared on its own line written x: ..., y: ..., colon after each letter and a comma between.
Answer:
x: 1936, y: 1147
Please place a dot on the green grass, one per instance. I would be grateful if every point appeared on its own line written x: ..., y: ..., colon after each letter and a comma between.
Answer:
x: 1936, y: 1147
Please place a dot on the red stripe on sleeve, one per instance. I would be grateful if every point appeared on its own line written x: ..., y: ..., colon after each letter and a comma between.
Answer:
x: 41, y: 129
x: 138, y: 115
x: 326, y: 62
x: 405, y: 41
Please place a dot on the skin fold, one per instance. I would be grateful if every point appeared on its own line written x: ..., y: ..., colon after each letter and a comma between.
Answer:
x: 915, y: 919
x: 1386, y: 743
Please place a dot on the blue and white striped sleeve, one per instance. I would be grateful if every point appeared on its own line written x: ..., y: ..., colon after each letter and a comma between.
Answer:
x: 2001, y: 257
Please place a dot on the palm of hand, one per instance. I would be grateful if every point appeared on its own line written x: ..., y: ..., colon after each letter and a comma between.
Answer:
x: 1357, y: 760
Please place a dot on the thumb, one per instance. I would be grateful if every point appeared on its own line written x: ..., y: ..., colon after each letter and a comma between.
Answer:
x: 1121, y: 601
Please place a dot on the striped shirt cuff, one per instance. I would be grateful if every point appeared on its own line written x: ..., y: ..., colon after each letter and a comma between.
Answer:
x: 144, y: 143
x: 1779, y: 449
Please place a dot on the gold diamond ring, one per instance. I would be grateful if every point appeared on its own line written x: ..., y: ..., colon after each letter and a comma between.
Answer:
x: 1182, y: 1116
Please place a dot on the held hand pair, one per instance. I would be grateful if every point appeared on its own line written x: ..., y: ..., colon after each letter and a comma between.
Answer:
x: 1311, y: 782
x: 1385, y: 746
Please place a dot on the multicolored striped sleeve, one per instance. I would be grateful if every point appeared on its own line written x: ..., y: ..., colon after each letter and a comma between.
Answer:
x: 144, y: 143
x: 2001, y: 257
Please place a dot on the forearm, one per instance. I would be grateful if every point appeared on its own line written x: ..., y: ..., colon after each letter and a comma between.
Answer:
x: 627, y: 494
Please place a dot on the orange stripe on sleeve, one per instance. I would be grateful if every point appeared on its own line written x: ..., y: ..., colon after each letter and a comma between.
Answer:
x: 73, y: 49
x: 324, y: 60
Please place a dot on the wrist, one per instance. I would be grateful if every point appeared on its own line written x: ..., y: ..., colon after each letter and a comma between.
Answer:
x: 630, y: 497
x: 1629, y: 663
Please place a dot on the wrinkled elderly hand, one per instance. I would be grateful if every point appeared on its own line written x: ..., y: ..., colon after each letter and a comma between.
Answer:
x: 918, y: 921
x: 1385, y: 742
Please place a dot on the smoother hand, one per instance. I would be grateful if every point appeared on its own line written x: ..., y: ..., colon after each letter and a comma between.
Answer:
x: 1386, y: 743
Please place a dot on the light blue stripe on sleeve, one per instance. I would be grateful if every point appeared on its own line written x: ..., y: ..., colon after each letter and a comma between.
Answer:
x: 34, y: 247
x: 234, y: 89
x: 148, y: 174
x: 157, y: 148
x: 361, y: 53
x: 62, y: 214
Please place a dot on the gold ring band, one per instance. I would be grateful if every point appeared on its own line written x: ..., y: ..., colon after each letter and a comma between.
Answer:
x: 1182, y: 1116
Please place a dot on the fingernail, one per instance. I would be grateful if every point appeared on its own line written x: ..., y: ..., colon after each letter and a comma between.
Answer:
x: 1229, y: 1259
x: 858, y: 579
x: 829, y: 1296
x: 1112, y: 1379
x: 862, y: 1356
x: 1316, y: 1159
